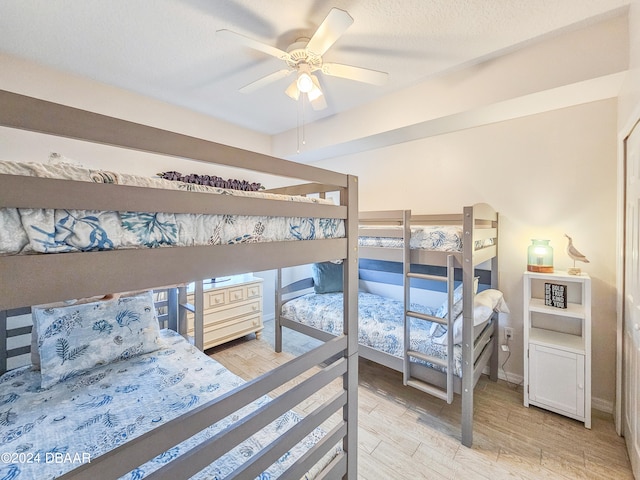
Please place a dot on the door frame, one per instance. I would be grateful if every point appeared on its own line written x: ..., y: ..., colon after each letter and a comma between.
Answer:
x: 623, y: 136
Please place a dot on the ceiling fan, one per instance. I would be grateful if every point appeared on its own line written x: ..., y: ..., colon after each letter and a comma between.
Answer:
x: 304, y: 57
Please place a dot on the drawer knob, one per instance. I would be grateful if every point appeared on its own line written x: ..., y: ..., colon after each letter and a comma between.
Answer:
x: 217, y: 300
x: 580, y: 386
x: 254, y: 307
x: 236, y: 295
x: 636, y: 326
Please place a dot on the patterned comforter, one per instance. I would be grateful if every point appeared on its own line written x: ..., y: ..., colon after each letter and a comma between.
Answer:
x: 47, y: 432
x: 380, y: 323
x: 29, y: 230
x: 440, y: 238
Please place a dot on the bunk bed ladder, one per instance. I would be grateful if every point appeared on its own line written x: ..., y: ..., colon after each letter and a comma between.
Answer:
x: 447, y: 364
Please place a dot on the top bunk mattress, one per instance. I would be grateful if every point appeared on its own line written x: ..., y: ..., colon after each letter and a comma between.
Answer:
x: 446, y: 238
x: 438, y: 238
x: 30, y: 230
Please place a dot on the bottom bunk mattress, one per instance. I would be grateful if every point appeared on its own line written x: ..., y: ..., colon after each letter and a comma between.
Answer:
x: 47, y: 432
x: 380, y: 323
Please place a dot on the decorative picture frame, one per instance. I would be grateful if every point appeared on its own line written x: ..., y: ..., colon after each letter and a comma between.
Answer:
x: 555, y: 295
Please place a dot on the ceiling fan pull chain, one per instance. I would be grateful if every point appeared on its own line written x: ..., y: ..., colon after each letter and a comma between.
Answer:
x: 304, y: 140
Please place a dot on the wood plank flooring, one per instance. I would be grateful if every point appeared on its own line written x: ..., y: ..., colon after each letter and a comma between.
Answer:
x: 406, y: 434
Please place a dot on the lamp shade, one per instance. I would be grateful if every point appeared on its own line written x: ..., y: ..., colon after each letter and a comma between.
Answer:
x: 540, y: 256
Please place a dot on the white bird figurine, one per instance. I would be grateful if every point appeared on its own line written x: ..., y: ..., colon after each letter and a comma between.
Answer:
x: 574, y: 254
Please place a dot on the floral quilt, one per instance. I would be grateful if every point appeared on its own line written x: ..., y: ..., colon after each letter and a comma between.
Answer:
x: 439, y: 238
x: 27, y: 230
x: 380, y: 323
x: 47, y: 432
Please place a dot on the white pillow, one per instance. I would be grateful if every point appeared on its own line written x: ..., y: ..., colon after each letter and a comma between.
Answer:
x: 484, y: 304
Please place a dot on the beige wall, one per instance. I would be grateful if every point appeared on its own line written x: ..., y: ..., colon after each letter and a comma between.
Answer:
x: 546, y: 174
x: 629, y: 99
x: 28, y: 78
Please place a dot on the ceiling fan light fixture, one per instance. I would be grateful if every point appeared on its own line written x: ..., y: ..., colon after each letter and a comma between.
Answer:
x: 304, y: 82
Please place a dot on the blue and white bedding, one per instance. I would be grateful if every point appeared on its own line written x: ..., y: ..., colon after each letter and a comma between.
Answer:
x: 439, y: 238
x: 28, y: 230
x: 380, y: 323
x: 47, y: 432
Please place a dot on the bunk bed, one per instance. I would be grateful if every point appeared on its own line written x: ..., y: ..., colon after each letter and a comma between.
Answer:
x: 41, y: 278
x: 440, y: 350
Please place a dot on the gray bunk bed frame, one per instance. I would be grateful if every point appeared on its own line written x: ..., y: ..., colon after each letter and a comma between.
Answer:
x: 23, y: 283
x: 479, y: 222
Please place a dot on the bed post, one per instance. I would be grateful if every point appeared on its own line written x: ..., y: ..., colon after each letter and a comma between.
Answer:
x: 467, y: 327
x: 3, y: 341
x: 406, y: 284
x: 278, y: 303
x: 198, y: 317
x: 494, y: 364
x: 350, y: 411
x: 172, y: 309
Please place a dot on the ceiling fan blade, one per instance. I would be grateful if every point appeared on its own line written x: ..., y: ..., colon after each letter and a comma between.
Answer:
x: 255, y: 44
x: 331, y: 28
x: 359, y: 74
x: 319, y: 103
x: 264, y: 81
x: 292, y: 90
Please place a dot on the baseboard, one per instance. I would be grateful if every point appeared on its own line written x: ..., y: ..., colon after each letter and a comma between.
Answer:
x: 599, y: 404
x: 509, y: 377
x: 606, y: 406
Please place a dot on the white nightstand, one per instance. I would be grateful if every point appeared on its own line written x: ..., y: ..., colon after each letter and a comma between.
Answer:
x: 557, y: 346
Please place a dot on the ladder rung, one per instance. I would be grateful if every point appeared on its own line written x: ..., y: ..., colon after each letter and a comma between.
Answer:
x: 426, y: 276
x: 430, y: 389
x: 428, y: 358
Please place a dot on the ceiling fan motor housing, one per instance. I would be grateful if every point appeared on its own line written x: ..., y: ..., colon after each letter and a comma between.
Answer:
x: 298, y: 54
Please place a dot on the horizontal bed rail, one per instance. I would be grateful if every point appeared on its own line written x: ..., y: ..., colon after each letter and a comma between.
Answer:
x: 304, y: 189
x: 29, y: 192
x: 36, y: 115
x: 84, y: 271
x: 137, y: 451
x: 198, y: 458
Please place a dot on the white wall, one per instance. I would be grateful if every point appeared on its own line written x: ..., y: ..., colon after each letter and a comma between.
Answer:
x: 546, y: 174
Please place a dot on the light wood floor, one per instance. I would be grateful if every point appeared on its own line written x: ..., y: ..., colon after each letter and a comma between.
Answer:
x: 407, y: 434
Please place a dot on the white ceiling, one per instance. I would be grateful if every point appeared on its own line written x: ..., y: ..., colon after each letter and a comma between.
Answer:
x: 168, y: 49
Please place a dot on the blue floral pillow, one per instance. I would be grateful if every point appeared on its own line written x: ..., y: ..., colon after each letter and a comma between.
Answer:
x: 76, y: 338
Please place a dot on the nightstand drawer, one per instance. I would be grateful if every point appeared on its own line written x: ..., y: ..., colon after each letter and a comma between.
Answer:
x: 254, y: 291
x: 231, y: 312
x: 214, y: 299
x: 225, y: 331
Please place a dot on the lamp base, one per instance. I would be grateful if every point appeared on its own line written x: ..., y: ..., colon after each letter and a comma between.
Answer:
x: 574, y: 271
x: 540, y: 268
